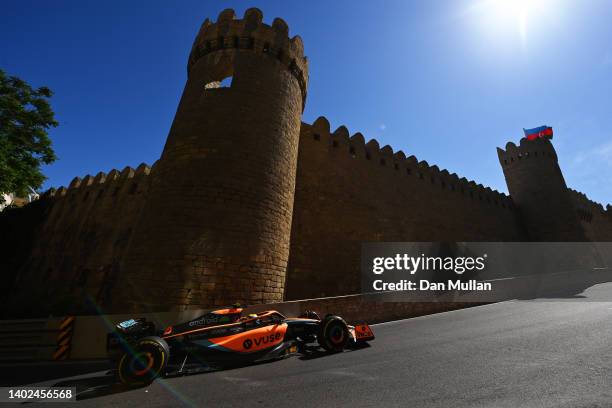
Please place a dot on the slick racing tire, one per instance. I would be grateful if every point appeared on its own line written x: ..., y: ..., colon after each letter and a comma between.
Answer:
x: 333, y: 334
x: 146, y: 361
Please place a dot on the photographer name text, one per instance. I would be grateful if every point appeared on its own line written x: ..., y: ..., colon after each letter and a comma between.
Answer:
x: 424, y: 284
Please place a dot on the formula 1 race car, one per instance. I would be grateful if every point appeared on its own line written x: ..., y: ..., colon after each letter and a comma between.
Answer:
x: 223, y: 339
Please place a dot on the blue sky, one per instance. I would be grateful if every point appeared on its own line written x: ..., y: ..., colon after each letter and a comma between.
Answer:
x: 447, y: 81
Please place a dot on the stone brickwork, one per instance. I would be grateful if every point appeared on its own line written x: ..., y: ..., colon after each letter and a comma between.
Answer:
x: 230, y: 163
x: 349, y: 191
x: 594, y: 219
x: 249, y: 204
x: 70, y: 256
x: 537, y: 186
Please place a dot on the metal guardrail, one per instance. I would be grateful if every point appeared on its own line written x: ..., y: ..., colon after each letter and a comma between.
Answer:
x: 30, y: 339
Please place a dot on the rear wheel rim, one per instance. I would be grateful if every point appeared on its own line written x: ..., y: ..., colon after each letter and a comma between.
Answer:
x: 141, y: 364
x: 336, y: 335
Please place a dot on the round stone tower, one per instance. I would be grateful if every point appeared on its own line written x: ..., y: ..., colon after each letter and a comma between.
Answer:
x: 217, y: 223
x: 537, y: 187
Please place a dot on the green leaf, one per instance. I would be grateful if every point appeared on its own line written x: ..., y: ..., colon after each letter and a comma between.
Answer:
x: 25, y: 118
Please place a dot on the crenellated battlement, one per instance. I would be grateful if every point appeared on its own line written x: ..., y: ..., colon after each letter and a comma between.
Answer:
x: 358, y: 148
x: 586, y: 203
x: 595, y: 219
x: 538, y: 188
x: 527, y: 149
x: 113, y: 178
x: 251, y: 34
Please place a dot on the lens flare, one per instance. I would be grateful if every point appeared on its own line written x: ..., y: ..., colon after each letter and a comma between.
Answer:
x: 507, y: 18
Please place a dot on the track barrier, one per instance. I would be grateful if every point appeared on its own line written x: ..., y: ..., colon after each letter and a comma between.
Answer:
x: 84, y: 337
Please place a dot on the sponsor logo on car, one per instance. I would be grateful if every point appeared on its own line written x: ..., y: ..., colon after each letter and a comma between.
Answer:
x: 268, y: 338
x: 208, y: 320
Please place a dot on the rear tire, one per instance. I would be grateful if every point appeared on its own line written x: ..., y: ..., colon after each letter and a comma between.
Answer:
x: 333, y: 334
x: 146, y: 361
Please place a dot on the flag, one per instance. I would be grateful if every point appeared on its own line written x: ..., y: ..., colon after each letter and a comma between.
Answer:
x: 539, y: 132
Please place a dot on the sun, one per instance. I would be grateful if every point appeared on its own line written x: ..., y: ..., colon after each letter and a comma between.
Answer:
x: 518, y: 10
x: 516, y: 16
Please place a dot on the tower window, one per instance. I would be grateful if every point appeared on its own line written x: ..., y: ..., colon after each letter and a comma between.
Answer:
x: 408, y: 171
x: 368, y: 157
x: 223, y: 76
x: 221, y: 42
x: 335, y: 143
x: 382, y: 162
x: 316, y: 136
x: 352, y: 151
x: 266, y: 47
x: 236, y: 42
x: 251, y: 43
x: 396, y: 166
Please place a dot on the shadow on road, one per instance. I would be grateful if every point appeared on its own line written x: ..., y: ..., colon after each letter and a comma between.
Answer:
x: 313, y: 352
x: 92, y: 387
x: 13, y: 374
x: 108, y: 383
x: 582, y: 286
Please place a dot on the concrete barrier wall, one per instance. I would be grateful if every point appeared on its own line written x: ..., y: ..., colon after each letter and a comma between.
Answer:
x: 89, y: 335
x: 90, y: 332
x: 28, y: 340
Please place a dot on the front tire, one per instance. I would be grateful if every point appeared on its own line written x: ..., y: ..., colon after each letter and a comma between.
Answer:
x: 333, y: 334
x: 144, y: 362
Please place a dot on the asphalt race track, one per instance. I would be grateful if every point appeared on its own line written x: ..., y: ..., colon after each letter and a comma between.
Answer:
x: 510, y: 354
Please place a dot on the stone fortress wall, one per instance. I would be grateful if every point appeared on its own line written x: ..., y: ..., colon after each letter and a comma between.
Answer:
x: 349, y: 191
x: 247, y: 203
x: 71, y: 251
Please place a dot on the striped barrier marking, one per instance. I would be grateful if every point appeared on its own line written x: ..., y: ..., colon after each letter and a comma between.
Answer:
x: 64, y: 338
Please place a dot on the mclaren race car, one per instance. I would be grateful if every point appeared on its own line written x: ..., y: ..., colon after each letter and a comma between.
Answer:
x: 222, y: 339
